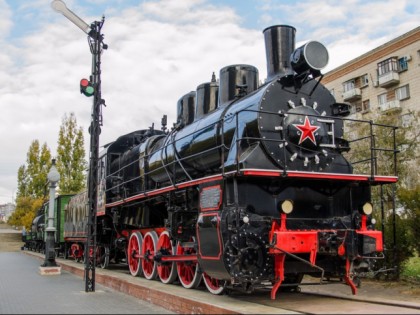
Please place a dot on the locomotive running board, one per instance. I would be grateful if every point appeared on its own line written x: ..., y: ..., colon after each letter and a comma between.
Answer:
x: 318, y: 175
x: 256, y: 172
x: 167, y: 189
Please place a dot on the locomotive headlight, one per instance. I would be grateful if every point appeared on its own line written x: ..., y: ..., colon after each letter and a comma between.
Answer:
x: 311, y: 56
x: 287, y: 206
x: 367, y: 208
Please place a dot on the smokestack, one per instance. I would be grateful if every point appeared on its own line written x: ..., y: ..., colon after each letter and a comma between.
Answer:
x: 279, y: 45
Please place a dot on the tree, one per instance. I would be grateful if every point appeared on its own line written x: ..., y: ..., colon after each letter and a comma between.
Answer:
x: 32, y: 184
x: 22, y: 186
x: 32, y: 177
x: 71, y: 163
x: 410, y: 200
x: 399, y: 243
x: 26, y: 208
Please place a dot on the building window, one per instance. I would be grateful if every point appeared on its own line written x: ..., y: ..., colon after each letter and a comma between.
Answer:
x: 382, y: 99
x: 364, y: 80
x: 361, y: 106
x: 406, y: 120
x: 348, y: 85
x: 402, y: 93
x: 358, y: 106
x: 387, y: 66
x: 402, y: 63
x: 365, y: 105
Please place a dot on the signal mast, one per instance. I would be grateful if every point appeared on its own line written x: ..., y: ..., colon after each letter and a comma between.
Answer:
x: 91, y: 87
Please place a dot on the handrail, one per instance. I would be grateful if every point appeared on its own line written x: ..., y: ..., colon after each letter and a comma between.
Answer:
x: 237, y: 138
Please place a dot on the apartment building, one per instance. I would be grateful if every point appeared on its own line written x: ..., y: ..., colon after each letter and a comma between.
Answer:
x: 6, y: 211
x: 383, y: 80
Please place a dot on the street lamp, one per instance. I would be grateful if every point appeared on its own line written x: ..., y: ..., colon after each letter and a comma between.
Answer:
x: 53, y: 177
x: 96, y: 44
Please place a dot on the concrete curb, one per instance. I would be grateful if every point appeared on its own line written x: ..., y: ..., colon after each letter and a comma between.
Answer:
x: 169, y: 296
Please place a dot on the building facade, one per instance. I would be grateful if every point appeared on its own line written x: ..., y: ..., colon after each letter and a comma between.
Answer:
x: 6, y: 211
x: 383, y: 81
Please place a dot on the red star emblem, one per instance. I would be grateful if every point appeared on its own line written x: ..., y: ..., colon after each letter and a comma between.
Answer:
x: 307, y: 131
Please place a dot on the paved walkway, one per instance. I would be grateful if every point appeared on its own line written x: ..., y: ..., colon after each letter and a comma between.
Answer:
x: 10, y: 230
x: 24, y: 291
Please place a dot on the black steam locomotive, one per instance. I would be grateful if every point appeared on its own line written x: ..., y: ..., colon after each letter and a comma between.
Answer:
x: 249, y: 189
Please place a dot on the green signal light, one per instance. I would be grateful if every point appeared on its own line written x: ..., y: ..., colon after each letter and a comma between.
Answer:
x: 89, y: 90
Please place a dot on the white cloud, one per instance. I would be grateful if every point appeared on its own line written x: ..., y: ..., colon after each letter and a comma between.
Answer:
x: 151, y: 64
x: 158, y: 51
x: 155, y: 56
x: 349, y: 28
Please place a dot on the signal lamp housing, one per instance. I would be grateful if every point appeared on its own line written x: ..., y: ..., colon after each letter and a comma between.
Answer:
x: 86, y: 87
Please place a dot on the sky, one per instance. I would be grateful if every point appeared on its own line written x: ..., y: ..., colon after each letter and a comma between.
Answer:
x: 158, y: 51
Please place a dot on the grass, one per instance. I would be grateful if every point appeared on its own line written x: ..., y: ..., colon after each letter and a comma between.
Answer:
x: 411, y: 270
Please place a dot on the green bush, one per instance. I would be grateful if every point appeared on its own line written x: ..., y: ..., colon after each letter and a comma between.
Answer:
x: 395, y: 256
x: 411, y: 270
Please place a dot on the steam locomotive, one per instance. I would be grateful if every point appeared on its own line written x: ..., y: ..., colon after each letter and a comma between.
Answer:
x: 249, y: 189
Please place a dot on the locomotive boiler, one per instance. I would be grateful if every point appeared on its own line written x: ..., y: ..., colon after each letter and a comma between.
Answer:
x: 250, y: 188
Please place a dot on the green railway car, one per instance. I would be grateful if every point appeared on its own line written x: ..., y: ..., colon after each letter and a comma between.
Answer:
x: 60, y: 203
x: 35, y: 238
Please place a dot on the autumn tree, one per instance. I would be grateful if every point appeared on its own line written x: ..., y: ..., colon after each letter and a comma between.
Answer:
x: 32, y: 184
x: 26, y: 208
x: 71, y: 163
x: 22, y: 182
x: 32, y: 177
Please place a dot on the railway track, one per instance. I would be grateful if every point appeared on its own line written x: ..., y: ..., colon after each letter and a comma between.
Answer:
x: 324, y: 303
x: 320, y: 299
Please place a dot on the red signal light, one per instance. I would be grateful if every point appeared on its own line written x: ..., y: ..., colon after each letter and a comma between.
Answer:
x: 84, y: 82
